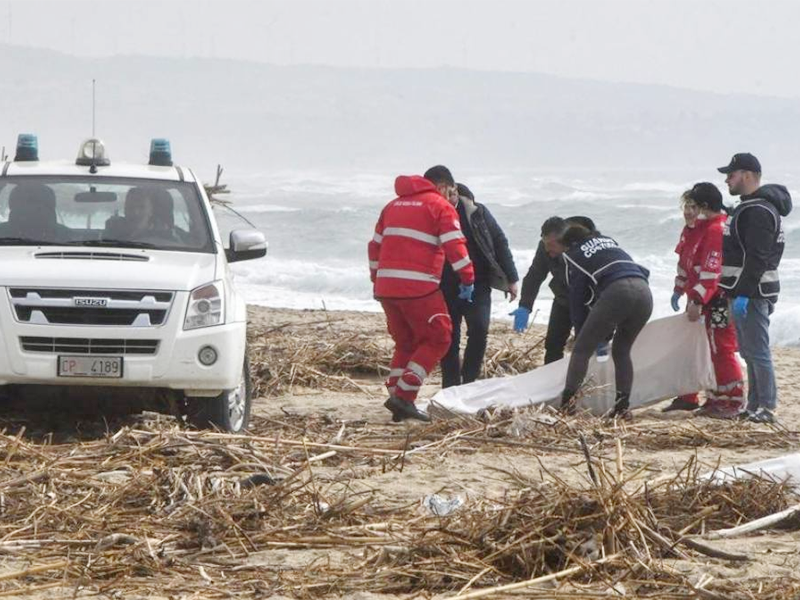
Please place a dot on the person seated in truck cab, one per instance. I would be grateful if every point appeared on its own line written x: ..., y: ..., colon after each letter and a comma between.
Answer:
x: 147, y: 218
x: 32, y: 215
x: 164, y: 216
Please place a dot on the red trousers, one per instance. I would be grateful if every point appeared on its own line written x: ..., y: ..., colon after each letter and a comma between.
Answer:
x: 421, y: 329
x: 730, y: 385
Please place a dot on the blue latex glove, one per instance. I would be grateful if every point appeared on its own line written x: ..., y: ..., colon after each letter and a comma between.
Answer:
x: 602, y: 352
x: 674, y: 301
x: 465, y: 291
x: 740, y: 306
x: 521, y: 316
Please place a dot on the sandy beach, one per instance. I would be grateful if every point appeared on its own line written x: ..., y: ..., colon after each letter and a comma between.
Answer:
x: 325, y: 425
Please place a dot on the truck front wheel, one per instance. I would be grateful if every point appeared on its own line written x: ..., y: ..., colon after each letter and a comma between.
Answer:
x: 230, y: 411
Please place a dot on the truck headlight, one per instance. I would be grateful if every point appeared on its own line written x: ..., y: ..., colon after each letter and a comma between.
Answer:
x: 206, y: 307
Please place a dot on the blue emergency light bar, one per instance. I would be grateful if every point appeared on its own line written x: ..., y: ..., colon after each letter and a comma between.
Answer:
x: 160, y: 153
x: 27, y: 148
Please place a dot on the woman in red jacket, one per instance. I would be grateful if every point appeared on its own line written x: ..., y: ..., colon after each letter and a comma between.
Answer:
x: 687, y: 245
x: 701, y: 260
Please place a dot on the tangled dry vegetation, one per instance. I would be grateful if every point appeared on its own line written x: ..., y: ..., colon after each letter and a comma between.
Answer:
x: 142, y: 507
x: 153, y: 509
x: 330, y: 354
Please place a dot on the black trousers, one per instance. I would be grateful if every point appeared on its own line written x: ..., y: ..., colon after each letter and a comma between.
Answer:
x: 477, y: 314
x: 623, y: 309
x: 558, y: 329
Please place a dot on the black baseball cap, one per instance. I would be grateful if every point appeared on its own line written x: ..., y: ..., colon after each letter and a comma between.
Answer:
x: 744, y: 161
x: 706, y: 195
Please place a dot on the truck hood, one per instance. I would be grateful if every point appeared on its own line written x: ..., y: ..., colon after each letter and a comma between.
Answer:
x: 105, y: 268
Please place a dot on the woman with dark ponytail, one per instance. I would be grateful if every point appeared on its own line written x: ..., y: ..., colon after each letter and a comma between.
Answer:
x: 609, y: 295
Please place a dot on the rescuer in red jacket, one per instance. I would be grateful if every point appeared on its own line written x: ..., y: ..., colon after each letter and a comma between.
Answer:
x: 413, y: 236
x: 705, y: 297
x: 686, y: 248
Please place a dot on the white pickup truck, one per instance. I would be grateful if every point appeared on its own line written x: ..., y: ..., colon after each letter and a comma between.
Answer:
x: 115, y: 277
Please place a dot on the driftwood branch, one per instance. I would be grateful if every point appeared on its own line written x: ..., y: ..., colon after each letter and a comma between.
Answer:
x: 756, y: 525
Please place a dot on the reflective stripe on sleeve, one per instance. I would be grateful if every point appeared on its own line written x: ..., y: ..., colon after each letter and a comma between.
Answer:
x: 373, y: 264
x: 450, y: 235
x: 731, y: 271
x: 700, y: 290
x: 377, y: 238
x: 411, y: 233
x: 708, y: 275
x: 681, y: 272
x: 404, y: 274
x: 460, y: 264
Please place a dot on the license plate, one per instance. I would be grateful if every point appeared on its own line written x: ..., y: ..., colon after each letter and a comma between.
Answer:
x: 90, y: 366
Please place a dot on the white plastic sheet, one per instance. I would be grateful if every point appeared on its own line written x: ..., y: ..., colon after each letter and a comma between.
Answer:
x: 782, y: 468
x: 670, y: 357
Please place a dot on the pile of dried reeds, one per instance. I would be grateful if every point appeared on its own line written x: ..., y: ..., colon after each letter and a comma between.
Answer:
x: 155, y: 509
x: 329, y: 354
x: 552, y: 432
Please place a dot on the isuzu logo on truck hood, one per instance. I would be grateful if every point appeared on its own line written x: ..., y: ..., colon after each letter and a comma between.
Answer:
x: 91, y: 302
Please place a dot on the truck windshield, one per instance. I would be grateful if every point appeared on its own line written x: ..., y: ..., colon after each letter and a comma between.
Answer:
x: 103, y: 211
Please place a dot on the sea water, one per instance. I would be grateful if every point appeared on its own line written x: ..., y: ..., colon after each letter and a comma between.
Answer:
x: 318, y: 224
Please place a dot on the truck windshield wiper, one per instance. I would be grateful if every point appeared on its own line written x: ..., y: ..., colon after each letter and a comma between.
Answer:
x: 112, y: 244
x: 23, y: 241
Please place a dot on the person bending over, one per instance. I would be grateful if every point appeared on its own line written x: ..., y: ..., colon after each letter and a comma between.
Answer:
x: 621, y: 303
x: 548, y: 261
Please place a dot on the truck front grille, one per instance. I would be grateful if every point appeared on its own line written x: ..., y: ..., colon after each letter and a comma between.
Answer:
x: 87, y: 345
x: 130, y: 308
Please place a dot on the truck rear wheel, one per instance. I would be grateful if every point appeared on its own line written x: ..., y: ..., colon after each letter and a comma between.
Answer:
x: 230, y: 411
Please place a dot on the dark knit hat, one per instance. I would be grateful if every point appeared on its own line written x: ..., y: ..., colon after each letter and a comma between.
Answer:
x: 706, y: 195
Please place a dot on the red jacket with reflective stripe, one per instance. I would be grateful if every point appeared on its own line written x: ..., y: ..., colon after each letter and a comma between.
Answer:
x: 414, y: 234
x: 686, y: 248
x: 703, y: 282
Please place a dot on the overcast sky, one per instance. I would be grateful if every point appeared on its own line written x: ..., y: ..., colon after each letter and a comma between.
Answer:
x: 718, y: 45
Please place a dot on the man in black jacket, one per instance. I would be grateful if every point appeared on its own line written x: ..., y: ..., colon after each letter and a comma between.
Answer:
x: 548, y: 260
x: 494, y: 268
x: 752, y: 247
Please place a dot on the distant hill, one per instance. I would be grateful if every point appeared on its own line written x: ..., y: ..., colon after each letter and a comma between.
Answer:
x: 263, y: 116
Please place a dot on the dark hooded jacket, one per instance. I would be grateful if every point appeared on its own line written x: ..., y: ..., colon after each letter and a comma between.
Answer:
x: 753, y: 242
x: 543, y: 265
x: 488, y: 249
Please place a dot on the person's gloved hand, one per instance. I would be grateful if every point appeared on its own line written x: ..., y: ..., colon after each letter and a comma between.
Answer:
x: 602, y: 352
x: 674, y: 301
x: 739, y: 306
x: 465, y: 291
x: 521, y: 316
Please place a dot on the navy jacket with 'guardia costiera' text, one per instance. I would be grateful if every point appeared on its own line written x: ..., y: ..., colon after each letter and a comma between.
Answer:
x: 593, y: 264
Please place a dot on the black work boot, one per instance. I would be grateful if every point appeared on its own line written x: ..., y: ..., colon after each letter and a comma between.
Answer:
x: 622, y: 407
x: 402, y: 410
x: 680, y: 403
x: 396, y: 418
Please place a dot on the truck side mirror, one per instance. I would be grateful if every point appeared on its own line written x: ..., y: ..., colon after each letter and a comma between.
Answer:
x: 246, y: 244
